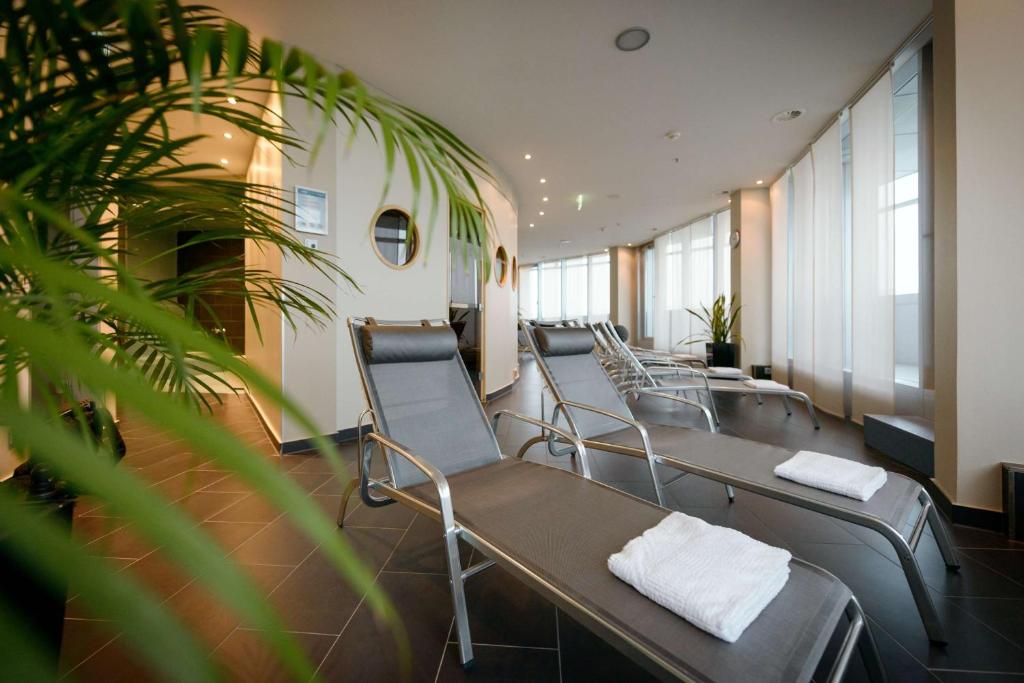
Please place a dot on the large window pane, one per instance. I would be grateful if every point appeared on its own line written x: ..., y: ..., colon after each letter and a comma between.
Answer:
x: 576, y: 288
x: 600, y: 288
x: 906, y: 229
x: 528, y: 292
x: 551, y: 290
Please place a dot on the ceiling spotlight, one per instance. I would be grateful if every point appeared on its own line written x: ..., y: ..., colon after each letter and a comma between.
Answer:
x: 531, y: 225
x: 543, y: 180
x: 232, y: 100
x: 527, y: 156
x: 606, y: 250
x: 787, y: 115
x: 543, y: 199
x: 632, y: 39
x: 228, y: 136
x: 760, y: 182
x: 629, y: 244
x: 223, y: 162
x: 541, y: 213
x: 579, y: 202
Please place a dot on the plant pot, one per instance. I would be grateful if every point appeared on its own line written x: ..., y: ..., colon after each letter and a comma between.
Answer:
x: 725, y: 355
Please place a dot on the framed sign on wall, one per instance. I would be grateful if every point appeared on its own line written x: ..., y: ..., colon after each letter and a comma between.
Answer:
x: 310, y: 210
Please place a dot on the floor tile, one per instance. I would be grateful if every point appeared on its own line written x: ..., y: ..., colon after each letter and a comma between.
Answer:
x: 500, y: 665
x: 246, y: 656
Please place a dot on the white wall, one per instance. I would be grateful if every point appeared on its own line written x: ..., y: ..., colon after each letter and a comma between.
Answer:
x: 501, y: 351
x: 990, y: 244
x: 317, y: 366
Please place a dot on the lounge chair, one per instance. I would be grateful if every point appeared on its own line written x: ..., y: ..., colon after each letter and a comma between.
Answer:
x: 554, y: 530
x: 596, y: 412
x: 684, y: 379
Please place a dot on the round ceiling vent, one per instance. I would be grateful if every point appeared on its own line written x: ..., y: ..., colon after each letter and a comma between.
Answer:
x: 788, y: 115
x: 632, y: 39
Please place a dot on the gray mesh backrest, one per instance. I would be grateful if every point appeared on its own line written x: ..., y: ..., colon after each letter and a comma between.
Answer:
x: 429, y: 406
x: 579, y: 377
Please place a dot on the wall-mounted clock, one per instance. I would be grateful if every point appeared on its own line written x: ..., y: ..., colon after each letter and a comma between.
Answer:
x: 734, y: 238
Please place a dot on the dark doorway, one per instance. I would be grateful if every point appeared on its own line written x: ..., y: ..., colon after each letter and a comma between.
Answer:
x: 221, y: 309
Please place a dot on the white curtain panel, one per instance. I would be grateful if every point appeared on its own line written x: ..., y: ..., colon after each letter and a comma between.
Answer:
x: 871, y: 127
x: 662, y: 333
x: 828, y: 271
x: 700, y: 263
x: 723, y: 253
x: 803, y: 275
x: 779, y: 195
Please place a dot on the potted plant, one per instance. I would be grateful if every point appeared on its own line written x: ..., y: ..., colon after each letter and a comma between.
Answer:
x: 88, y: 92
x: 721, y: 339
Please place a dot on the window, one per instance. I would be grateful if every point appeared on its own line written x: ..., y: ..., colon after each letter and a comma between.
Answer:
x: 501, y: 266
x: 647, y: 290
x: 600, y: 288
x: 550, y: 293
x: 395, y: 238
x: 568, y: 289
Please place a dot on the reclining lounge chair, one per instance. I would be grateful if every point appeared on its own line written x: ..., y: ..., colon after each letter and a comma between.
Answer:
x: 539, y: 523
x: 597, y: 414
x: 681, y: 378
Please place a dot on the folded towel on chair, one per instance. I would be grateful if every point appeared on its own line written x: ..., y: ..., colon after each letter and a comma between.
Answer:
x: 829, y: 473
x: 716, y: 578
x: 721, y: 370
x: 765, y: 384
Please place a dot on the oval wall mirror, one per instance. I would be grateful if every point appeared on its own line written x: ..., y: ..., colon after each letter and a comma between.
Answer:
x: 501, y: 266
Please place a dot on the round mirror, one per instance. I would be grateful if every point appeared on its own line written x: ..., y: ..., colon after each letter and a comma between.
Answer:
x: 501, y: 266
x: 515, y: 273
x: 395, y: 238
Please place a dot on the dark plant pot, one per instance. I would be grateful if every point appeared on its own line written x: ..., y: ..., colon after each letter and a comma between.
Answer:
x: 726, y: 355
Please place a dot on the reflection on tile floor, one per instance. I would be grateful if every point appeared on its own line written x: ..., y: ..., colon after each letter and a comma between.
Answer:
x: 518, y: 636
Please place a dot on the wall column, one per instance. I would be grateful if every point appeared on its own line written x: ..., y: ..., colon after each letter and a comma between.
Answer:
x: 751, y: 273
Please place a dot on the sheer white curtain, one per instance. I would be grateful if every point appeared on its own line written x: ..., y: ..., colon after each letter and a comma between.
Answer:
x: 871, y: 125
x: 828, y: 271
x: 666, y: 288
x: 779, y: 194
x: 528, y: 292
x: 576, y: 300
x: 723, y: 253
x: 699, y: 257
x: 600, y: 288
x: 551, y: 290
x: 802, y: 275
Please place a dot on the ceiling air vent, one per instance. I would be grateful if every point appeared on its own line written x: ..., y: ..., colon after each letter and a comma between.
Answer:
x: 787, y: 115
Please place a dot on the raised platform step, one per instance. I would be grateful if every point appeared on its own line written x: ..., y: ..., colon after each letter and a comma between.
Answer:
x: 908, y: 439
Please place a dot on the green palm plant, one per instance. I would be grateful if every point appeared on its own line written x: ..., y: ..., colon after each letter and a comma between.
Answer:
x: 719, y: 322
x: 86, y: 148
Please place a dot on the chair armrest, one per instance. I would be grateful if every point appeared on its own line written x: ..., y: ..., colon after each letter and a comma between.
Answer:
x: 561, y: 405
x: 568, y: 436
x: 440, y: 482
x: 680, y: 399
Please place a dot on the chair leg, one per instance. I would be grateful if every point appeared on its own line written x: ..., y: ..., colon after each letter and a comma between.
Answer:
x: 714, y: 408
x: 760, y: 400
x: 918, y: 588
x: 451, y: 549
x: 730, y: 492
x: 866, y: 645
x: 350, y: 488
x: 785, y: 402
x: 941, y: 533
x: 810, y: 411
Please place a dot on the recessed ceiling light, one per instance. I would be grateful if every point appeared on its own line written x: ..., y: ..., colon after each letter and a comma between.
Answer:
x: 788, y: 115
x: 629, y: 244
x: 760, y: 182
x: 543, y: 199
x: 223, y: 162
x: 632, y: 39
x: 543, y: 180
x: 606, y: 250
x: 232, y: 100
x: 541, y: 213
x: 527, y: 156
x: 228, y: 136
x: 531, y: 225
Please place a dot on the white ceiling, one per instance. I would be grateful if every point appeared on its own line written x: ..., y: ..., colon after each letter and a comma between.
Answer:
x: 543, y: 77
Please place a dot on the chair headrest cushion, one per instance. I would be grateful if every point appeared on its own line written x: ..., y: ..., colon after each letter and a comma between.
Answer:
x: 408, y: 343
x: 564, y: 341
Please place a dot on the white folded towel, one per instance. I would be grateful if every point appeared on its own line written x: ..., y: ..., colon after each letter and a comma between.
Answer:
x: 829, y: 473
x: 721, y: 370
x: 765, y: 384
x: 716, y: 578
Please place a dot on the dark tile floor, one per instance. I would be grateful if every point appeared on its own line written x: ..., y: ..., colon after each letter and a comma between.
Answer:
x: 517, y: 635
